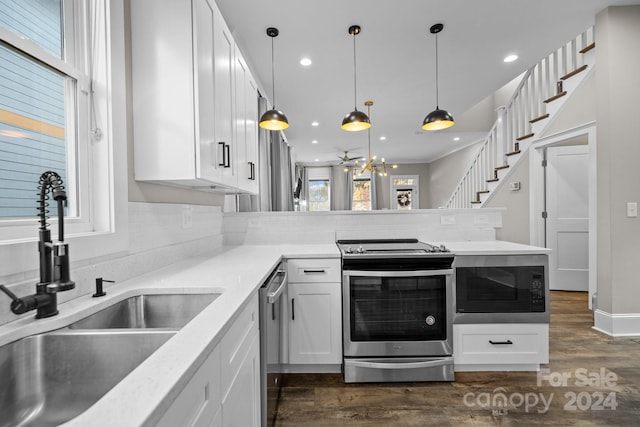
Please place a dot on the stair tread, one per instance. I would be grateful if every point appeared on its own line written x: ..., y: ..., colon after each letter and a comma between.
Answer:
x: 524, y: 137
x: 493, y: 180
x: 475, y: 202
x: 537, y: 119
x: 553, y: 98
x: 587, y: 48
x: 501, y: 167
x: 574, y: 72
x: 513, y: 153
x: 484, y: 191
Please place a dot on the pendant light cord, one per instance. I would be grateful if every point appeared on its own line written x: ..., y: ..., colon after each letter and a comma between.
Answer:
x: 355, y: 80
x: 437, y: 100
x: 273, y: 79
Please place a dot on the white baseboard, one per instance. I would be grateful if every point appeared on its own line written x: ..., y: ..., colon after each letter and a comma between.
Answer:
x: 617, y: 325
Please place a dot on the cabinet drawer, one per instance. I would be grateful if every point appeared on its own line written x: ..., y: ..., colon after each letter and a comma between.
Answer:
x: 501, y: 343
x: 237, y: 341
x: 314, y: 270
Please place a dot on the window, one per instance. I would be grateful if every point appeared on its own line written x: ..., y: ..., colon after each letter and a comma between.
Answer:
x: 319, y: 195
x: 361, y: 194
x: 44, y: 108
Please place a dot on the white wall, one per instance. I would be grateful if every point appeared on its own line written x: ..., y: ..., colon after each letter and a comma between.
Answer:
x: 446, y: 173
x: 618, y: 151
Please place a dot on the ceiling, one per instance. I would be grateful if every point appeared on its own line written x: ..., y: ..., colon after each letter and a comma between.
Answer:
x: 395, y: 55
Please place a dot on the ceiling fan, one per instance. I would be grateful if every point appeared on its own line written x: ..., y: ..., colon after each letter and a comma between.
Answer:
x: 346, y: 159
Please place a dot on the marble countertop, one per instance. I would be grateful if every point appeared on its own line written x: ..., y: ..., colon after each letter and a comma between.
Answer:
x: 235, y: 273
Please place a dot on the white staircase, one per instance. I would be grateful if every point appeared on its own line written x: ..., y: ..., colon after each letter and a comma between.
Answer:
x: 540, y: 95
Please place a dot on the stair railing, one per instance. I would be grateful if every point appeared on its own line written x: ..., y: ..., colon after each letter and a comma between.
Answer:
x: 538, y: 86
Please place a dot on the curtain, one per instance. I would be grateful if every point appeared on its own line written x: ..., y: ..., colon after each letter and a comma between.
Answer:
x: 373, y: 188
x: 303, y: 175
x: 348, y: 193
x: 281, y: 174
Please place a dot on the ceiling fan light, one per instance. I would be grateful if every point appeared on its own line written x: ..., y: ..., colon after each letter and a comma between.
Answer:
x: 355, y: 121
x: 438, y: 119
x: 274, y: 120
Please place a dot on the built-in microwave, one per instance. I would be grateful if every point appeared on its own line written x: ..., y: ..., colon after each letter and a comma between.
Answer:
x: 501, y: 288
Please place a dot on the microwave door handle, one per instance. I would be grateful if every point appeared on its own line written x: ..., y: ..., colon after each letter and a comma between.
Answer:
x: 396, y: 365
x: 398, y: 273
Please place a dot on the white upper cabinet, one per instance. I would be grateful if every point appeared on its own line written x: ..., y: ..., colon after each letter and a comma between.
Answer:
x: 246, y: 97
x: 184, y: 96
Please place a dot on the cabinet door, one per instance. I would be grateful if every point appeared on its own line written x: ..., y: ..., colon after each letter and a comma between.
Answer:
x: 223, y: 47
x: 315, y: 323
x: 198, y: 404
x: 242, y: 168
x: 241, y: 405
x: 203, y: 17
x: 251, y: 133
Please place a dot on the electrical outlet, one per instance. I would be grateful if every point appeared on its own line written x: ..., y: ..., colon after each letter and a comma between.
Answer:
x: 187, y: 216
x: 447, y: 219
x: 632, y: 210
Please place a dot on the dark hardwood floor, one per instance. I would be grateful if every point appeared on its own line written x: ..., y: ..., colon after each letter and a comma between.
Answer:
x: 591, y: 380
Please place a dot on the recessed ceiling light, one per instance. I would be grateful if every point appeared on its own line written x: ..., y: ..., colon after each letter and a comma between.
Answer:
x: 457, y: 138
x: 382, y: 138
x: 305, y: 62
x: 510, y: 58
x: 315, y: 141
x: 315, y: 124
x: 316, y: 160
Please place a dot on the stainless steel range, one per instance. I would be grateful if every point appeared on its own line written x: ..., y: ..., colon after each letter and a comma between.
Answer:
x: 397, y: 311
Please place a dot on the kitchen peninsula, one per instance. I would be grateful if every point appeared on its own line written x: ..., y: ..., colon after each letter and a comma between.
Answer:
x: 236, y: 272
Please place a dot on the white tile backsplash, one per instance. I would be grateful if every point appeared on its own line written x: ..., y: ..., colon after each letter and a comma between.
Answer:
x: 326, y: 227
x: 156, y: 239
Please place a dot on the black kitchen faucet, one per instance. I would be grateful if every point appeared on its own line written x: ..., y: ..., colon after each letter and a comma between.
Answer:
x: 54, y: 257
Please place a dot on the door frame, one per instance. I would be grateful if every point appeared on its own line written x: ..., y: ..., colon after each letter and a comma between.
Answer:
x: 537, y: 194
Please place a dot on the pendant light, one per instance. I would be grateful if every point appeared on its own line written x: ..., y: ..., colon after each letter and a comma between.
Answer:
x: 437, y: 119
x: 355, y: 120
x: 273, y: 119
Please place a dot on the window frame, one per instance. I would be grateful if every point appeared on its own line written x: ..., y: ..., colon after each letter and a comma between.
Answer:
x: 74, y: 65
x: 106, y: 161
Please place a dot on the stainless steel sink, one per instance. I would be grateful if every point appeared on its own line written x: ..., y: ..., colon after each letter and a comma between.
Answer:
x: 51, y: 378
x: 171, y: 311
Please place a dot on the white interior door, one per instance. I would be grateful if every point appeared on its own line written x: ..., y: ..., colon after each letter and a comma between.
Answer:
x: 568, y: 217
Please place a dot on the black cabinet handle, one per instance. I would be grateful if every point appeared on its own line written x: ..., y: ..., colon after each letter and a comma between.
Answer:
x: 223, y: 153
x: 314, y: 271
x: 501, y: 342
x: 227, y: 162
x: 253, y: 171
x: 293, y: 311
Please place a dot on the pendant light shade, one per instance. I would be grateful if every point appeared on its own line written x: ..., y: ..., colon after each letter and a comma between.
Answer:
x: 355, y: 120
x: 437, y: 119
x: 273, y: 119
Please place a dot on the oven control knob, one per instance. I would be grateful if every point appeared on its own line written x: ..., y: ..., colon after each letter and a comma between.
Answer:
x: 348, y: 250
x: 430, y: 320
x: 360, y: 250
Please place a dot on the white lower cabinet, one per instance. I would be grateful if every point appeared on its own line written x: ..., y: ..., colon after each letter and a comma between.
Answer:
x: 314, y: 311
x: 225, y: 390
x: 198, y: 404
x: 240, y: 369
x: 504, y: 347
x: 315, y: 323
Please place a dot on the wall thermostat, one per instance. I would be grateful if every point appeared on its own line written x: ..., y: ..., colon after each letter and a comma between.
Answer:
x: 514, y: 186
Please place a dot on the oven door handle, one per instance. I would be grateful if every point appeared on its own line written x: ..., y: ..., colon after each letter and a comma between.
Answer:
x: 398, y: 365
x: 412, y: 273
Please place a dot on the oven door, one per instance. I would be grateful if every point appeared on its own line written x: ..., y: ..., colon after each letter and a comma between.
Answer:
x: 397, y: 313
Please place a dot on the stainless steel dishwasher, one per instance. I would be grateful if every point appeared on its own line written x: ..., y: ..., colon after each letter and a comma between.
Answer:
x: 271, y: 294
